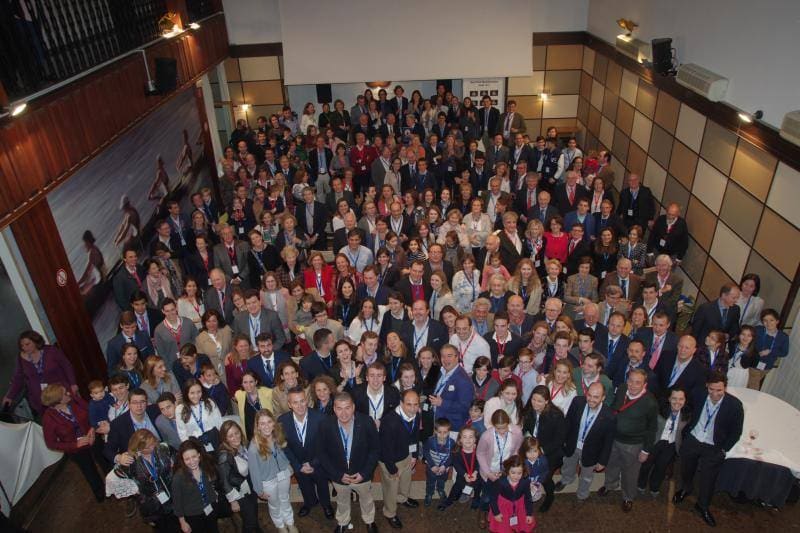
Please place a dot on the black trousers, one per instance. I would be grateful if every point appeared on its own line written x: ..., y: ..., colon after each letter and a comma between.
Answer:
x: 248, y: 510
x: 458, y: 488
x: 705, y: 459
x: 555, y: 461
x: 655, y: 468
x: 314, y: 488
x: 203, y: 523
x: 85, y: 461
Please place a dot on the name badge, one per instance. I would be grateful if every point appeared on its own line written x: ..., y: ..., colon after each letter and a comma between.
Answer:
x: 426, y: 407
x: 241, y: 230
x: 450, y: 168
x: 564, y: 269
x: 761, y: 366
x: 467, y: 490
x: 244, y: 490
x: 163, y: 497
x: 662, y: 242
x: 630, y: 212
x: 451, y: 388
x: 363, y: 167
x: 454, y: 435
x: 513, y: 521
x: 209, y: 282
x: 412, y: 448
x: 283, y: 475
x: 603, y: 275
x: 43, y: 385
x: 208, y: 509
x: 209, y: 447
x: 235, y: 270
x: 537, y: 265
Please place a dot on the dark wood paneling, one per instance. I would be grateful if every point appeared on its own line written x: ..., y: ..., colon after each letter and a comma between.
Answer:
x: 559, y: 37
x: 256, y: 50
x: 40, y: 245
x: 61, y: 131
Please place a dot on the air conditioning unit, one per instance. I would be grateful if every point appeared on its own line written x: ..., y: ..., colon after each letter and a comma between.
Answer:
x: 790, y: 128
x: 702, y: 81
x: 633, y: 47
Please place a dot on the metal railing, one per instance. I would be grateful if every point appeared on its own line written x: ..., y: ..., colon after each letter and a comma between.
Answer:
x: 45, y: 41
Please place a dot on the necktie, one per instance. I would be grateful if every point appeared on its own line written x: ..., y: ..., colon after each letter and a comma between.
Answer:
x: 222, y: 300
x: 571, y: 195
x: 507, y: 127
x: 485, y: 122
x: 656, y: 353
x: 624, y: 286
x: 530, y: 198
x: 141, y: 323
x: 724, y: 316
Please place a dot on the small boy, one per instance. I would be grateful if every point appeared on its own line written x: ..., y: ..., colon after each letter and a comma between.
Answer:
x: 476, y: 416
x: 214, y: 388
x: 165, y: 422
x: 438, y: 460
x: 101, y: 402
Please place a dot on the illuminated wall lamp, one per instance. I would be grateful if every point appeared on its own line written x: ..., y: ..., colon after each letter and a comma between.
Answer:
x: 748, y: 118
x: 543, y: 97
x: 194, y: 26
x: 245, y: 107
x: 18, y: 109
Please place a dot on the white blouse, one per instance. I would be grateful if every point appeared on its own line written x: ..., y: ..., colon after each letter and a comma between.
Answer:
x: 210, y: 418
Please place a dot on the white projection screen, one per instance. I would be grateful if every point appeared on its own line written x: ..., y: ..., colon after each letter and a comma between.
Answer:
x: 326, y: 41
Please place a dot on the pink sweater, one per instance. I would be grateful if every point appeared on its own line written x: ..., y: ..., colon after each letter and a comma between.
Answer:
x: 486, y: 446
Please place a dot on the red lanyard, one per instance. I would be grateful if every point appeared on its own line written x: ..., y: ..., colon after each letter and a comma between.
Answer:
x: 462, y: 353
x: 471, y: 467
x: 176, y: 332
x: 554, y: 394
x: 629, y: 403
x: 584, y: 387
x: 205, y: 261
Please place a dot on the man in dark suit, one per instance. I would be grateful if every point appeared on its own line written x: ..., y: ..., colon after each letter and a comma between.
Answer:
x: 375, y: 398
x: 651, y: 302
x: 615, y: 349
x: 590, y: 434
x: 399, y: 104
x: 479, y: 174
x: 320, y: 361
x: 390, y: 128
x: 636, y: 205
x: 436, y: 261
x: 417, y: 177
x: 340, y: 235
x: 591, y: 320
x: 259, y: 320
x: 527, y: 196
x: 371, y: 287
x: 124, y: 426
x: 607, y: 218
x: 518, y: 151
x: 347, y: 450
x: 577, y: 247
x: 721, y: 314
x: 625, y: 279
x: 231, y: 256
x: 319, y: 159
x: 128, y: 333
x: 312, y: 217
x: 488, y: 116
x: 715, y: 427
x: 414, y: 287
x: 301, y: 428
x: 669, y: 283
x: 337, y: 193
x: 568, y: 193
x: 440, y: 128
x: 511, y: 122
x: 128, y: 279
x: 219, y: 296
x: 147, y: 318
x: 670, y: 234
x: 658, y: 339
x: 635, y: 360
x: 543, y: 210
x: 497, y: 152
x: 365, y: 128
x: 502, y: 341
x: 171, y: 240
x: 422, y: 330
x: 265, y: 363
x: 583, y: 217
x: 681, y: 369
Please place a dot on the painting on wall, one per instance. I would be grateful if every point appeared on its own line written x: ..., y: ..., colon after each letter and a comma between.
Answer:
x: 114, y: 201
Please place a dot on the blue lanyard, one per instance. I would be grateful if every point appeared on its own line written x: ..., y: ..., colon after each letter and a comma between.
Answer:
x: 502, y: 448
x: 198, y: 420
x: 395, y: 366
x: 355, y: 261
x: 441, y: 462
x: 409, y: 427
x: 442, y: 382
x: 376, y: 405
x: 327, y: 365
x: 532, y: 467
x: 301, y: 431
x: 40, y: 365
x: 345, y: 444
x: 524, y: 293
x: 255, y: 326
x: 319, y: 285
x: 587, y: 424
x: 345, y: 312
x: 201, y: 485
x: 72, y: 420
x: 710, y: 414
x: 133, y: 377
x: 672, y: 418
x: 674, y: 375
x: 369, y: 325
x: 417, y: 340
x: 151, y: 469
x: 772, y: 344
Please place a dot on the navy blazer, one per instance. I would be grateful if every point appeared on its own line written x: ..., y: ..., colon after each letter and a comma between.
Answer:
x: 120, y: 433
x: 391, y: 398
x: 619, y: 374
x: 297, y: 452
x: 708, y: 317
x: 620, y: 355
x: 114, y: 348
x: 312, y: 365
x: 211, y: 301
x: 598, y: 441
x: 254, y: 364
x: 600, y: 333
x: 456, y: 397
x: 437, y: 335
x: 381, y: 295
x: 364, y: 448
x: 670, y: 344
x: 728, y: 423
x: 692, y: 379
x: 181, y: 374
x: 547, y: 213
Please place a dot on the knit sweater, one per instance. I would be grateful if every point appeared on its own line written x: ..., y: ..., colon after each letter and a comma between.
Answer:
x: 638, y: 422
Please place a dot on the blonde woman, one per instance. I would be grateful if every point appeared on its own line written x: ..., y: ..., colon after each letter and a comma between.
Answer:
x: 158, y: 380
x: 478, y: 225
x: 215, y: 340
x: 269, y: 470
x: 250, y: 399
x: 526, y: 283
x: 559, y: 383
x: 441, y: 295
x: 466, y: 285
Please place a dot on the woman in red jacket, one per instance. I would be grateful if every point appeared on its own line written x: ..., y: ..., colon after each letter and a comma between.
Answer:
x: 66, y: 429
x: 319, y: 276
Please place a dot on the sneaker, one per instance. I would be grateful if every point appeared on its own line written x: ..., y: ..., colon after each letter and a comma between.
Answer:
x: 641, y: 490
x: 655, y: 493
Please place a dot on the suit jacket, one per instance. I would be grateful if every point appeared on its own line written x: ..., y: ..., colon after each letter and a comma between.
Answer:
x: 561, y: 199
x: 728, y: 423
x: 222, y: 260
x: 511, y: 348
x: 600, y: 332
x: 547, y: 214
x: 598, y: 441
x: 320, y: 219
x: 670, y: 344
x: 364, y: 448
x: 313, y: 161
x: 517, y: 123
x: 634, y: 285
x: 269, y: 322
x: 381, y: 295
x: 404, y: 288
x: 437, y: 335
x: 378, y: 172
x: 508, y: 252
x: 618, y: 358
x: 313, y: 366
x: 514, y: 158
x: 124, y: 285
x: 675, y: 241
x: 383, y: 131
x: 496, y: 155
x: 406, y: 227
x: 582, y: 249
x: 521, y: 200
x: 638, y: 211
x: 416, y: 181
x: 391, y: 398
x: 456, y: 397
x: 212, y: 301
x: 494, y: 117
x: 669, y: 298
x: 331, y: 201
x: 297, y: 452
x: 196, y: 268
x: 120, y: 433
x: 114, y: 348
x: 340, y: 238
x: 552, y: 432
x: 571, y: 218
x: 165, y: 344
x: 256, y: 365
x: 707, y: 317
x: 692, y: 379
x: 398, y: 109
x: 613, y: 221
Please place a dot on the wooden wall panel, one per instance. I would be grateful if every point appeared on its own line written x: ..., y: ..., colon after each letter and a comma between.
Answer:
x: 64, y: 129
x: 40, y: 244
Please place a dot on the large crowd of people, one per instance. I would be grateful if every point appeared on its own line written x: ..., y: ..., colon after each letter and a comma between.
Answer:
x: 492, y: 312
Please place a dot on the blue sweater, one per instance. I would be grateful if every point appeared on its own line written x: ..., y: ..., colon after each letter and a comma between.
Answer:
x: 437, y: 454
x: 777, y: 345
x: 98, y: 410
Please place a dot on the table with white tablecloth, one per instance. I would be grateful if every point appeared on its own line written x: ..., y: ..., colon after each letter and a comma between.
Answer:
x: 765, y: 463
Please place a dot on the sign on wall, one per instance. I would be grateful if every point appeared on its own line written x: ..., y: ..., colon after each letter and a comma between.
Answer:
x: 477, y: 88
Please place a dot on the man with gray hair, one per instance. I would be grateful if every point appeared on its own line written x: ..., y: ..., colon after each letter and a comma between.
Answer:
x: 669, y: 284
x: 625, y: 279
x: 670, y: 234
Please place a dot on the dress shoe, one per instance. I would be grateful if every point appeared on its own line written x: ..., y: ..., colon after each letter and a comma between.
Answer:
x: 372, y: 528
x: 395, y: 522
x: 410, y: 503
x: 705, y: 514
x: 559, y: 487
x: 546, y: 505
x: 627, y: 505
x: 679, y: 496
x: 442, y: 506
x: 603, y: 491
x: 328, y: 512
x: 304, y: 510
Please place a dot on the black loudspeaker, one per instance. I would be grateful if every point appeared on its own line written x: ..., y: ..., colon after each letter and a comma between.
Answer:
x: 166, y: 74
x: 662, y: 55
x: 448, y: 84
x: 324, y: 93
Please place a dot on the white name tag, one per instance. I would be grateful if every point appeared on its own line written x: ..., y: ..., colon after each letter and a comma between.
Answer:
x: 454, y: 435
x: 283, y: 475
x: 241, y: 230
x: 603, y: 275
x: 209, y: 282
x: 467, y: 490
x: 537, y: 264
x: 761, y: 366
x: 662, y: 242
x: 244, y: 490
x: 513, y: 521
x: 564, y: 269
x: 209, y: 447
x: 163, y: 497
x: 451, y: 388
x: 630, y: 212
x: 43, y: 385
x: 426, y: 407
x: 412, y: 448
x: 208, y: 509
x: 235, y: 270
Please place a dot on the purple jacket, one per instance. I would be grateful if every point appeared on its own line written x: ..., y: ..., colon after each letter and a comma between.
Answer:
x: 56, y: 369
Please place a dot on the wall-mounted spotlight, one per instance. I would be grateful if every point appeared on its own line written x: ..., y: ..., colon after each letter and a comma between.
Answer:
x: 543, y: 97
x: 245, y: 107
x: 18, y: 109
x: 194, y: 26
x: 748, y: 118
